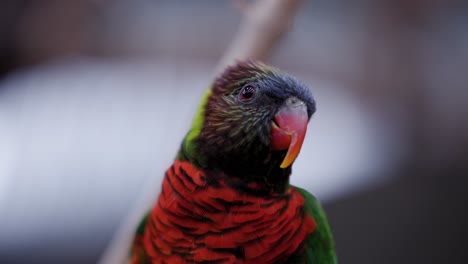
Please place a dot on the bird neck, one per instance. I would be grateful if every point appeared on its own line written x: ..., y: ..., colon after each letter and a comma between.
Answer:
x: 256, y: 177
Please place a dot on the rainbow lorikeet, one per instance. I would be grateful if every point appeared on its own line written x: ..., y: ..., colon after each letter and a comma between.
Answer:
x: 227, y: 198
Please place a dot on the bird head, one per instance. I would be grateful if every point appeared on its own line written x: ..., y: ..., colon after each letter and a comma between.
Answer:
x: 251, y: 124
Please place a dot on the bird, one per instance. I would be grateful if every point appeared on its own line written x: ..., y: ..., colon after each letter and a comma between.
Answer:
x: 226, y: 198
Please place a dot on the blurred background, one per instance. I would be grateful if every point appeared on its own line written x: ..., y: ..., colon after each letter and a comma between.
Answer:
x: 96, y: 95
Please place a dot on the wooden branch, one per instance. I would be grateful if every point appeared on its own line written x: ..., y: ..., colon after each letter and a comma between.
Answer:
x: 265, y: 23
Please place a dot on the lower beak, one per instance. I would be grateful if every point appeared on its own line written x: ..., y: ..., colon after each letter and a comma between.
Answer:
x: 288, y: 131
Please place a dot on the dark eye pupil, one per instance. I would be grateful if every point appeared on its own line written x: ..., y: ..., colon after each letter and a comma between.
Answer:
x: 247, y: 93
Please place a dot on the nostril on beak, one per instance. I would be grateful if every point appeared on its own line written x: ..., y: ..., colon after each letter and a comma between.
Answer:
x: 293, y: 102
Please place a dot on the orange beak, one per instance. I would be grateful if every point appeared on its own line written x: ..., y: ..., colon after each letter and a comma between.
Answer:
x: 288, y: 131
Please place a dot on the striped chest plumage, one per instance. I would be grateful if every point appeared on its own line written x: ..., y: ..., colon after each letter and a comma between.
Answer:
x: 197, y: 219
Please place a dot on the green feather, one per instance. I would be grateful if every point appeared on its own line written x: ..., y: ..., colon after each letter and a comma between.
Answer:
x: 319, y: 245
x: 188, y: 149
x: 141, y: 227
x: 139, y: 235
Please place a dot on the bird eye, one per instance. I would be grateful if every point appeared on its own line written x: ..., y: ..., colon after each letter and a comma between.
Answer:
x: 247, y: 93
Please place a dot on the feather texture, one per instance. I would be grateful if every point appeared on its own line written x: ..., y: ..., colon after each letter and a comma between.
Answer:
x: 196, y: 220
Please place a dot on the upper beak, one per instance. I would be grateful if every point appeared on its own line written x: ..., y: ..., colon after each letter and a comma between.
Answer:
x: 288, y: 129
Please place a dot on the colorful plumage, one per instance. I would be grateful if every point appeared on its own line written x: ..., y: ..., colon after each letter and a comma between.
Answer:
x: 227, y: 197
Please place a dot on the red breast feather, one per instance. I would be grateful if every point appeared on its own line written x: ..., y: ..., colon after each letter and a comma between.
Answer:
x: 198, y: 221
